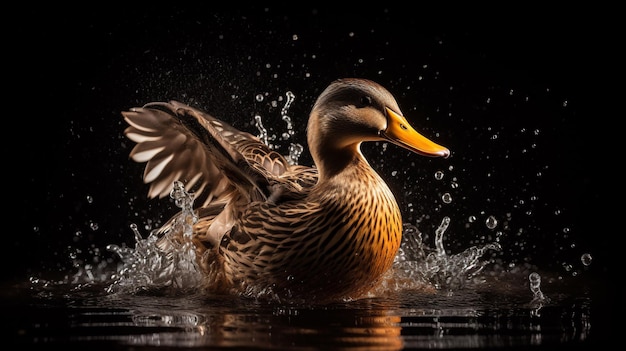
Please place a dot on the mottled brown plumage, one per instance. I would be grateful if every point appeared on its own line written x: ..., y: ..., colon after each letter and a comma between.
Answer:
x: 268, y: 227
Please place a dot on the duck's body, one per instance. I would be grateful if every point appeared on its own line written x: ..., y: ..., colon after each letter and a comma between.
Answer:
x: 265, y: 226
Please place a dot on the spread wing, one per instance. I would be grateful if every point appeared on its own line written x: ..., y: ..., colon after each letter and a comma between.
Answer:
x: 213, y: 159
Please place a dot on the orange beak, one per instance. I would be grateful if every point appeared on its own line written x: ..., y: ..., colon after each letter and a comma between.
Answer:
x: 401, y: 133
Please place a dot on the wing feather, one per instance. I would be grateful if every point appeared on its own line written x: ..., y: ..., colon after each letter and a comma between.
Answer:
x: 179, y: 142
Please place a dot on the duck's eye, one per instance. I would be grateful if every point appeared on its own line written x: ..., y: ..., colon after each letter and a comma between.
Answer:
x: 366, y: 101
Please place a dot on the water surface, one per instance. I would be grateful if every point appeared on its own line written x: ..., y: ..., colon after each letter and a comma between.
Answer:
x: 499, y: 313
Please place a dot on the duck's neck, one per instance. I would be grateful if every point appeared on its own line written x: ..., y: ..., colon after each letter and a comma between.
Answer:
x: 336, y: 161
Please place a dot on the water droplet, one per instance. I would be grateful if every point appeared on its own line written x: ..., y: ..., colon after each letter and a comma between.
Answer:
x: 586, y: 259
x: 472, y: 219
x: 295, y: 150
x: 439, y: 175
x: 535, y: 280
x: 491, y: 222
x: 259, y: 97
x: 89, y: 199
x: 447, y: 198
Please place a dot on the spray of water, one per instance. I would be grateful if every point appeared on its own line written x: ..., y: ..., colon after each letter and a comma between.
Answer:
x: 295, y: 149
x: 417, y: 265
x: 159, y: 261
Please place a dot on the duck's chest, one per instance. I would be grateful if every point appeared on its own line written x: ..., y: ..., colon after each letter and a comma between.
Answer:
x: 364, y: 217
x: 339, y: 242
x: 354, y: 240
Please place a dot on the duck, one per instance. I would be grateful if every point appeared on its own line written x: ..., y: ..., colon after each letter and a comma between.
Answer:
x: 267, y: 226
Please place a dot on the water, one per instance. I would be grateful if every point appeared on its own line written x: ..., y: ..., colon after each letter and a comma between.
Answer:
x: 497, y: 313
x: 429, y: 299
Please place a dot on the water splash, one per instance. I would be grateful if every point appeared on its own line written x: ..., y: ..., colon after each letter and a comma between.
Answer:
x: 295, y: 149
x: 161, y: 260
x: 539, y: 299
x: 418, y: 264
x: 534, y: 280
x: 283, y: 113
x: 262, y: 131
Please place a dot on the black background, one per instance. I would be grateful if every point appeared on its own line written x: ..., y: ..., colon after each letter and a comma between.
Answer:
x: 520, y: 95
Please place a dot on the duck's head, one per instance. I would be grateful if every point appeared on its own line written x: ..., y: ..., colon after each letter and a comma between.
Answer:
x: 353, y: 110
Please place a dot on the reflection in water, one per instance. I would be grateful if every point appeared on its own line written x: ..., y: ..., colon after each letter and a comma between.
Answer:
x: 494, y: 316
x: 222, y: 321
x: 306, y: 327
